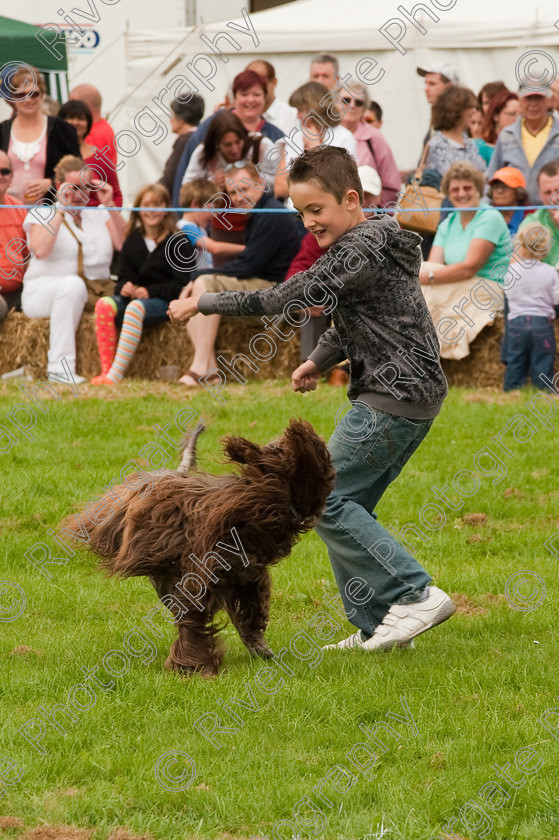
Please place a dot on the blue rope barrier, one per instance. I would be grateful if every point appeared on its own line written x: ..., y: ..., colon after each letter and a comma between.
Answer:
x: 287, y: 209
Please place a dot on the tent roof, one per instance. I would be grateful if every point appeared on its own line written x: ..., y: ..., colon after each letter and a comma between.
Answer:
x: 18, y: 43
x: 354, y: 25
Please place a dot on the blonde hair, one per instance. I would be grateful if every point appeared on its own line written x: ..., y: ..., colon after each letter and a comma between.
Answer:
x: 69, y: 163
x: 535, y: 240
x: 197, y: 192
x: 27, y: 73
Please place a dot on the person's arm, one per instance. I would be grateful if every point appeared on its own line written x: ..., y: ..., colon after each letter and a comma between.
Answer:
x: 328, y: 277
x: 436, y: 254
x: 115, y: 223
x: 328, y: 352
x: 386, y: 167
x: 42, y: 239
x: 477, y: 255
x: 195, y: 169
x: 228, y: 249
x: 128, y: 264
x: 267, y: 162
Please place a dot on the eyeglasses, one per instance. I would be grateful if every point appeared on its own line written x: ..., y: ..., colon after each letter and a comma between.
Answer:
x: 358, y: 102
x: 237, y: 164
x: 5, y: 171
x: 24, y: 95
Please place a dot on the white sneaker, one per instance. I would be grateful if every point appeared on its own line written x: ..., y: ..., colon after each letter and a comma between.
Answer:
x: 357, y: 641
x: 404, y: 622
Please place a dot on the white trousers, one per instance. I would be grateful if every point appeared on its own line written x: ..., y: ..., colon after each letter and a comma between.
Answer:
x: 61, y: 299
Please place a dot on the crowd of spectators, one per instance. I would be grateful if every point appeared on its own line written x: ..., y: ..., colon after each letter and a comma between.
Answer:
x: 492, y: 155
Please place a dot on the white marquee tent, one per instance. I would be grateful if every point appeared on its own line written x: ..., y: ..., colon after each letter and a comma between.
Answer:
x: 484, y: 39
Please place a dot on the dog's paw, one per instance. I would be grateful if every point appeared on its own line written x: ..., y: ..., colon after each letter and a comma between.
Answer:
x: 261, y: 650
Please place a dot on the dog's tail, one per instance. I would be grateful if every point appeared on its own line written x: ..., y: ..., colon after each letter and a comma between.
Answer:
x: 188, y: 460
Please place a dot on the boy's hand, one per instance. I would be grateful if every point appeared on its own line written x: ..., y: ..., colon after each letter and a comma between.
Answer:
x: 183, y: 310
x: 305, y: 377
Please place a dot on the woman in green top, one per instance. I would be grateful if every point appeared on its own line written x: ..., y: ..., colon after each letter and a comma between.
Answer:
x: 462, y: 281
x: 503, y: 110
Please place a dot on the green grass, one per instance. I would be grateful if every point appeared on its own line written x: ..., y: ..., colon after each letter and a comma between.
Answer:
x: 475, y: 686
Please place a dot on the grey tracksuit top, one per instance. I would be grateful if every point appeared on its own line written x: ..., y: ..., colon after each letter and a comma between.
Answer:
x: 381, y: 321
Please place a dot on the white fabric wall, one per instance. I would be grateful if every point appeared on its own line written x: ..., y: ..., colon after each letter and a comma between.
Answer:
x: 484, y: 39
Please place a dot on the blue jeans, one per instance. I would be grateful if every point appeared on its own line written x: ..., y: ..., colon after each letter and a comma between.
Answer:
x: 155, y: 309
x: 369, y: 449
x: 530, y: 348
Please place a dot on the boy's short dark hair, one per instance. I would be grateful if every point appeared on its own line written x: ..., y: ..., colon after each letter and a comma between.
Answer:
x: 197, y: 193
x: 190, y: 112
x: 332, y: 167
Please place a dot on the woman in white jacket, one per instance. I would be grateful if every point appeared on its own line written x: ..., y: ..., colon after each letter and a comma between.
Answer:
x: 52, y: 286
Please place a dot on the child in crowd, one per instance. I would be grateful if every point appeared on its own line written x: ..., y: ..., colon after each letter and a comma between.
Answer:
x: 194, y: 223
x: 371, y: 268
x: 149, y: 276
x: 530, y: 345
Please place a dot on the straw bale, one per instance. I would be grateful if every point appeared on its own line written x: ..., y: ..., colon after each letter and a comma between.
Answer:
x: 24, y: 341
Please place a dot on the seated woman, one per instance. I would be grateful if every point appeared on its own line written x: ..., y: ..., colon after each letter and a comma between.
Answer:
x: 507, y: 188
x: 462, y: 281
x: 76, y: 239
x: 77, y: 113
x: 271, y: 239
x: 226, y: 142
x: 150, y: 276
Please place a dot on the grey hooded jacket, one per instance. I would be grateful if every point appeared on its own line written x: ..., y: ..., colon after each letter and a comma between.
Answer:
x: 369, y: 281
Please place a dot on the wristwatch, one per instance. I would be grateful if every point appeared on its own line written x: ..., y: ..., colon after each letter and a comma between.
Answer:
x: 431, y: 276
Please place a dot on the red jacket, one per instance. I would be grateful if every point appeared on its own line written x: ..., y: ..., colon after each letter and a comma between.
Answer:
x: 307, y: 255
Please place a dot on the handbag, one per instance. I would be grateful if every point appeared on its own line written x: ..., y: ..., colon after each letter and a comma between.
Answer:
x: 412, y: 217
x: 96, y: 289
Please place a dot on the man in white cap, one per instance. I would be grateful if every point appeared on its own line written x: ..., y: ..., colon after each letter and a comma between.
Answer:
x: 531, y: 141
x: 438, y: 75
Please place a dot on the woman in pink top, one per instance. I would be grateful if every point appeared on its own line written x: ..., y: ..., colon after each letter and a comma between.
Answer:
x: 372, y: 148
x: 34, y: 142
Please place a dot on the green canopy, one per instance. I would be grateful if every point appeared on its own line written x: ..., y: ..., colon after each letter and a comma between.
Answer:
x: 18, y: 43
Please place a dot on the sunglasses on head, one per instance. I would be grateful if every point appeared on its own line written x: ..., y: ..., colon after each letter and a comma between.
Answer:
x: 5, y: 171
x: 24, y: 95
x: 238, y: 164
x: 359, y: 102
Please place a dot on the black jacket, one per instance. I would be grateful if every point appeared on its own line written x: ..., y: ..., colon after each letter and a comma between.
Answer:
x: 61, y: 140
x: 162, y: 277
x: 271, y: 240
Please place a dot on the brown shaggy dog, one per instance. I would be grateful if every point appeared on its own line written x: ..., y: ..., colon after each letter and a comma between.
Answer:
x: 206, y: 541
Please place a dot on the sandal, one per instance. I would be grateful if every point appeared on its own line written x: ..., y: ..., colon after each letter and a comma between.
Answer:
x: 197, y: 377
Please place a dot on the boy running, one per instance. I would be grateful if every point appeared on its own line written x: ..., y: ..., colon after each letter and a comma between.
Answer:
x: 382, y: 325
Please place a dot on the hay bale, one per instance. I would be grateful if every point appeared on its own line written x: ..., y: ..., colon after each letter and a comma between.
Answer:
x: 24, y: 341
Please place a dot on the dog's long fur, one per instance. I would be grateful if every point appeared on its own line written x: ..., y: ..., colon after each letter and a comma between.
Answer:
x: 280, y: 493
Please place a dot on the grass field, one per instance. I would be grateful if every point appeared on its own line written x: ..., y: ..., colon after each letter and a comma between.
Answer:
x: 472, y: 697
